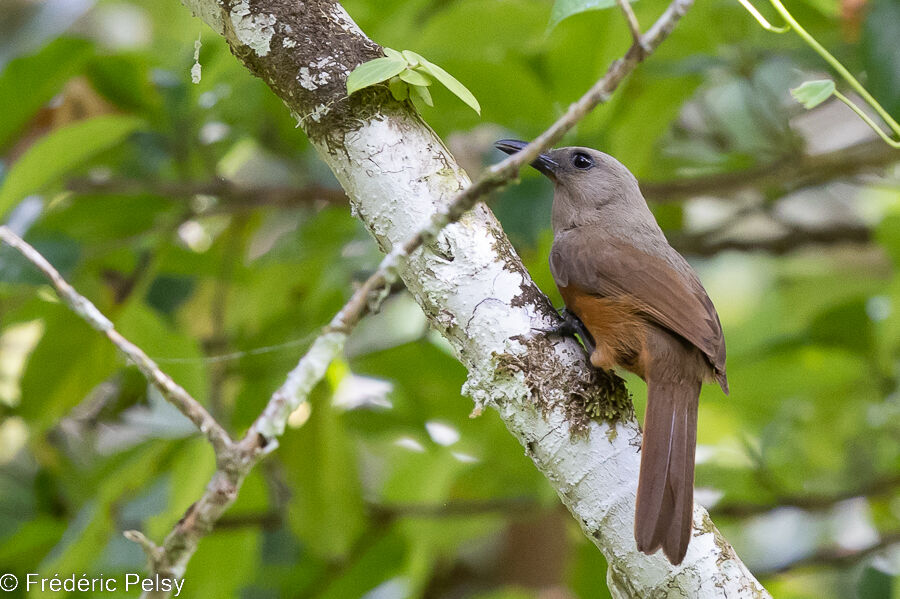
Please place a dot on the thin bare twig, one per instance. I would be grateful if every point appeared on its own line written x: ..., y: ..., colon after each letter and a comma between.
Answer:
x: 633, y: 25
x: 172, y: 391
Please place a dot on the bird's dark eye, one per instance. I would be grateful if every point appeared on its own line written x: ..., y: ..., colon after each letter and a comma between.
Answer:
x: 582, y: 161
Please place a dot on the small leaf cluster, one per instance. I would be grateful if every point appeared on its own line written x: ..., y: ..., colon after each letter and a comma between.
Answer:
x: 408, y: 75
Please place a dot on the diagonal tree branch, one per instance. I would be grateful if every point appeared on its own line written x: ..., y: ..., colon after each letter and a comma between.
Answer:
x: 234, y: 197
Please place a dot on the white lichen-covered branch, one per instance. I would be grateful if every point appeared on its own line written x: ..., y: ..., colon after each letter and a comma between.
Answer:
x: 471, y: 284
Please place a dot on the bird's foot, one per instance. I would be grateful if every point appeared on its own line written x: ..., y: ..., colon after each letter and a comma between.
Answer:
x: 570, y: 326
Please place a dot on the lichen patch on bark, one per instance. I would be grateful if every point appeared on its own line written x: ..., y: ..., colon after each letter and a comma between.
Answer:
x: 254, y: 30
x: 601, y: 395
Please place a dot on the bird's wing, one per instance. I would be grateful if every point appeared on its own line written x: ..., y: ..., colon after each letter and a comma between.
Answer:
x: 606, y: 266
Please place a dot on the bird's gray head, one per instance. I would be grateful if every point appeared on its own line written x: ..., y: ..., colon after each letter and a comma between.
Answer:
x: 591, y: 187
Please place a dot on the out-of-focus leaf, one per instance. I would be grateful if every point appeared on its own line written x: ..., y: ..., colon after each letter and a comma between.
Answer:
x: 28, y: 83
x: 206, y: 578
x: 94, y: 219
x: 888, y: 236
x: 60, y: 152
x: 188, y: 474
x: 60, y: 252
x: 374, y: 71
x: 845, y: 325
x: 91, y: 528
x: 875, y: 583
x: 124, y: 79
x: 146, y: 329
x: 327, y: 512
x: 813, y: 93
x: 166, y: 293
x: 380, y: 562
x: 563, y: 9
x: 70, y: 360
x: 30, y: 543
x: 881, y: 53
x: 448, y: 80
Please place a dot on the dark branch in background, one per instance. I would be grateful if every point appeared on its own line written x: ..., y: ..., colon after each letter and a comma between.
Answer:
x: 785, y: 175
x: 459, y: 507
x: 877, y: 488
x: 271, y: 520
x: 709, y: 244
x: 234, y: 197
x: 835, y: 557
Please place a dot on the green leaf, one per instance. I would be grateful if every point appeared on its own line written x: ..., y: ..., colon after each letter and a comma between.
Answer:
x: 380, y: 560
x: 563, y: 9
x: 124, y: 80
x: 80, y: 359
x: 415, y: 77
x: 423, y: 94
x: 399, y: 89
x: 327, y: 511
x: 374, y: 71
x: 813, y: 93
x: 28, y: 83
x: 91, y: 529
x: 846, y: 325
x: 391, y: 53
x: 60, y: 152
x: 458, y: 89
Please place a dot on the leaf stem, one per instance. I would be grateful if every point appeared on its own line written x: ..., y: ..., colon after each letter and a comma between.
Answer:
x: 842, y: 71
x: 867, y: 119
x: 762, y: 20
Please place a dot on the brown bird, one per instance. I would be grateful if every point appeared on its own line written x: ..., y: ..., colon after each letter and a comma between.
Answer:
x: 636, y: 304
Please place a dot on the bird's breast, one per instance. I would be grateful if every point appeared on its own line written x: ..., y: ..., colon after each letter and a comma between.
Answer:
x: 617, y: 326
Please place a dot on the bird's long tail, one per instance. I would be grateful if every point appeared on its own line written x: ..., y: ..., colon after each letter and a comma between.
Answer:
x: 665, y: 496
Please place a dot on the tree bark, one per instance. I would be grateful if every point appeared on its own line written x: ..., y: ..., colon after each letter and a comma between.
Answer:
x: 473, y: 288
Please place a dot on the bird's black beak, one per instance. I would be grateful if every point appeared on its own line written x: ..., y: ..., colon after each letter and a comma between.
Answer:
x: 543, y: 163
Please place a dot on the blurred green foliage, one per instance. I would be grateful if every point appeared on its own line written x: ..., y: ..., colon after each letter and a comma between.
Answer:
x: 385, y: 487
